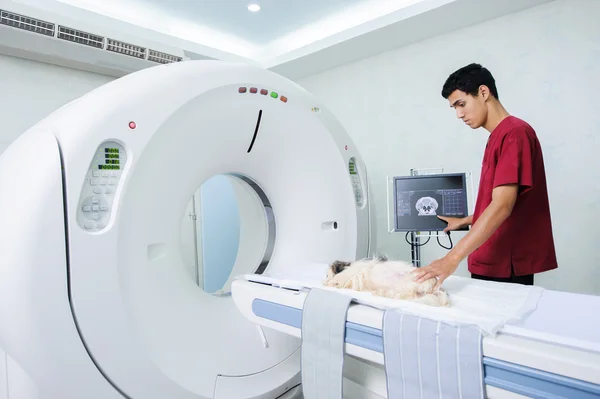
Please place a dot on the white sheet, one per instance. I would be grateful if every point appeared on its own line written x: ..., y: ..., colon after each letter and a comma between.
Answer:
x: 576, y: 328
x: 489, y: 305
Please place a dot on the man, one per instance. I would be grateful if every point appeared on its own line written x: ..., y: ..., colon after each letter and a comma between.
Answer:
x: 511, y: 236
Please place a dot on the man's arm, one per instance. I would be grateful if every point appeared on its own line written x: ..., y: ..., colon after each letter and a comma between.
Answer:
x: 468, y: 220
x: 503, y: 201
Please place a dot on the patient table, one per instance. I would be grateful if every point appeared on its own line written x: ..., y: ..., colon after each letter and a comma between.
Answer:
x: 550, y: 350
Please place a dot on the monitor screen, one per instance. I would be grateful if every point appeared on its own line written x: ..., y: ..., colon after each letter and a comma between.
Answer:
x: 419, y: 200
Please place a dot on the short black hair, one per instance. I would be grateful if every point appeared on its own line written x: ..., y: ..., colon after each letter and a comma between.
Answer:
x: 468, y: 79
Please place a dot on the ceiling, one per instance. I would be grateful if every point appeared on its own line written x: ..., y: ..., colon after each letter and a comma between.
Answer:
x: 276, y: 18
x: 228, y: 25
x: 292, y: 37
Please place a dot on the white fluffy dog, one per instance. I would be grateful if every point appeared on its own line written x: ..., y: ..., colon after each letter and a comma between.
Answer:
x: 390, y: 279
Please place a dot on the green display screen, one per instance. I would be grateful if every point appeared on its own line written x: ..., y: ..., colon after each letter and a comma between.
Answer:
x: 352, y: 168
x: 111, y: 159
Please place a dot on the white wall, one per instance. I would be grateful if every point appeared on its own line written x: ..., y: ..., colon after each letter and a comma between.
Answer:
x: 31, y: 90
x: 546, y: 62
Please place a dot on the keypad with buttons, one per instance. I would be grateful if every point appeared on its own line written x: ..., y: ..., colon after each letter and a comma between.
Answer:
x: 101, y: 185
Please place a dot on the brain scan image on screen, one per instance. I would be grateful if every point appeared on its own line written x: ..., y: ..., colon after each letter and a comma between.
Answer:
x: 427, y: 206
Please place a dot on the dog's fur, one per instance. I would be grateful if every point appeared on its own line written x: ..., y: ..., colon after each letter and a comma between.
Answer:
x: 382, y: 277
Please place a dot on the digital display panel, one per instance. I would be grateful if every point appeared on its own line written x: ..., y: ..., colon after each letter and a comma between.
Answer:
x: 419, y: 200
x: 112, y: 159
x: 352, y: 167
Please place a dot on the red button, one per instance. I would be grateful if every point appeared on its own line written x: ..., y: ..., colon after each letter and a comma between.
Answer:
x: 132, y: 125
x: 242, y: 90
x: 253, y: 90
x: 264, y: 92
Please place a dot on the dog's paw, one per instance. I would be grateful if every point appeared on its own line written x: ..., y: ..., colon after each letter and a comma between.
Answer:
x: 443, y: 297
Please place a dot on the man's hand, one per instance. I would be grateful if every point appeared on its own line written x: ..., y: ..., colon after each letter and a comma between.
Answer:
x: 441, y: 269
x: 455, y: 223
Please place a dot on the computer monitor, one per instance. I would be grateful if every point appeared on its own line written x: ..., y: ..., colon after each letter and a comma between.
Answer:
x: 419, y: 200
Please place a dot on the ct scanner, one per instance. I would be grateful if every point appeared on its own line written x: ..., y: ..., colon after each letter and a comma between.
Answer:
x: 91, y: 202
x: 95, y: 299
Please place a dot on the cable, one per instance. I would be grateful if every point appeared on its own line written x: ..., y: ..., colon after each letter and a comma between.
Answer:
x: 412, y: 244
x: 449, y: 238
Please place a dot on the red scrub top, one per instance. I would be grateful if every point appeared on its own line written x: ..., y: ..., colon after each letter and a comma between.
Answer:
x: 524, y: 241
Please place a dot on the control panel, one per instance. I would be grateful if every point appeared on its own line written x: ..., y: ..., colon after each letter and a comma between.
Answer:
x: 101, y: 183
x: 356, y: 183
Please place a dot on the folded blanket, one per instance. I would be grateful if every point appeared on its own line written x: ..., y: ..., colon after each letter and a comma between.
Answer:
x: 431, y: 359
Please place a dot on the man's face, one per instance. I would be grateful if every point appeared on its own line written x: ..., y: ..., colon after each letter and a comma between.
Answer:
x: 472, y: 110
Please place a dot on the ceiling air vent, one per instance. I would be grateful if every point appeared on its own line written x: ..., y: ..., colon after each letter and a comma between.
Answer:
x: 77, y: 36
x: 29, y: 24
x: 125, y: 48
x: 162, y: 58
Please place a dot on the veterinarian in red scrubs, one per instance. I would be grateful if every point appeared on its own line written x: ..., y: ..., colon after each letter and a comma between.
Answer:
x: 511, y: 236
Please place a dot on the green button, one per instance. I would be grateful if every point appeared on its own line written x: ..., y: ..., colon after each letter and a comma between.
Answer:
x: 273, y: 94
